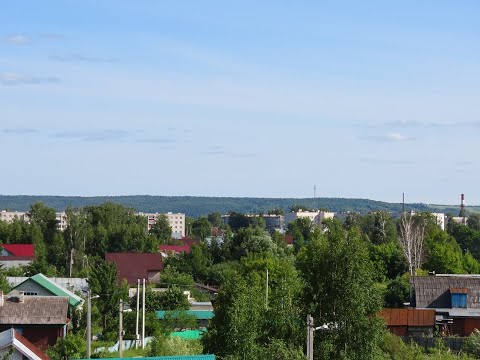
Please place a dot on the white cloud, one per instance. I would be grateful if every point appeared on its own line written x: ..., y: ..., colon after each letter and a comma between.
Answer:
x: 18, y: 40
x: 79, y: 58
x: 396, y: 137
x: 10, y: 79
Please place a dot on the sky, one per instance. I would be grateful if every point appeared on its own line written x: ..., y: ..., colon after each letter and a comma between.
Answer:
x: 364, y: 99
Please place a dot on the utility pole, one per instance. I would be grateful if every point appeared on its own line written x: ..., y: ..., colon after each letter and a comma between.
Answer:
x: 120, y: 330
x: 143, y: 316
x: 266, y: 292
x: 138, y: 313
x: 89, y: 324
x: 310, y: 330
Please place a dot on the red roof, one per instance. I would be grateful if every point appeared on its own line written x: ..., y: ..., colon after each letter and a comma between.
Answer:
x: 20, y: 249
x: 216, y: 231
x: 133, y: 266
x: 175, y: 248
x: 30, y: 346
x: 189, y: 241
x: 289, y: 239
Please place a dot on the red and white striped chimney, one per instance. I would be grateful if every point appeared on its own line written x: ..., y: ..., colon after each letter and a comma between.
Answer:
x: 462, y: 204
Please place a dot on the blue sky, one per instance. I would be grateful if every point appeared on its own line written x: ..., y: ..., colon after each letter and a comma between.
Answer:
x: 364, y: 99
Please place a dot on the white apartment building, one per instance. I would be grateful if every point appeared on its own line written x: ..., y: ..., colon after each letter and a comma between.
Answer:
x: 177, y: 222
x: 9, y: 216
x: 439, y: 219
x: 316, y: 217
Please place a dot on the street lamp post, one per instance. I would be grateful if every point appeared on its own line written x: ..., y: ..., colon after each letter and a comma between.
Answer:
x: 120, y: 330
x: 89, y: 322
x: 311, y: 329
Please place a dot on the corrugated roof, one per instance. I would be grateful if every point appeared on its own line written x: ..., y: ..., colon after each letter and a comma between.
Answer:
x: 188, y: 334
x: 199, y: 314
x: 408, y: 317
x: 55, y: 289
x: 175, y: 248
x: 20, y: 249
x: 133, y: 266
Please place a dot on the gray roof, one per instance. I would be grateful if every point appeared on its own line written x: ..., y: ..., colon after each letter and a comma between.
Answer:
x: 434, y: 291
x: 34, y: 310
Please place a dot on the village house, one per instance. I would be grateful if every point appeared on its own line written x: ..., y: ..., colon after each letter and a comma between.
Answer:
x: 13, y: 255
x: 40, y: 285
x: 40, y: 319
x: 455, y: 299
x: 133, y: 266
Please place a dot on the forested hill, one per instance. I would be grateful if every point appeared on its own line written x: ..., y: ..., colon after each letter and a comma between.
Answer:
x: 196, y: 205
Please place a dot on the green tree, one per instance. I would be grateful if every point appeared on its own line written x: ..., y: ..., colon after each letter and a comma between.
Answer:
x: 171, y: 277
x: 444, y: 255
x: 397, y: 292
x: 201, y: 228
x: 340, y: 292
x: 72, y: 346
x: 237, y: 326
x: 162, y: 230
x: 103, y: 281
x: 473, y: 222
x: 215, y: 219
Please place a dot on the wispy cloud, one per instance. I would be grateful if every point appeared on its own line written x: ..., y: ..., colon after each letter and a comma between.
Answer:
x: 390, y: 137
x: 19, y: 131
x: 219, y: 151
x: 99, y: 135
x: 415, y: 124
x: 11, y: 79
x: 18, y: 39
x: 377, y: 161
x: 156, y: 140
x: 80, y: 58
x: 52, y: 36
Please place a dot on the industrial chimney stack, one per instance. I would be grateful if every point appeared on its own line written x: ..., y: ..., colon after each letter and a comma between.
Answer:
x: 462, y: 207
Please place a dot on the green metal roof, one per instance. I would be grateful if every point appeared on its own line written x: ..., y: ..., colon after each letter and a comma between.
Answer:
x: 57, y: 290
x: 177, y: 357
x: 188, y: 334
x: 199, y: 314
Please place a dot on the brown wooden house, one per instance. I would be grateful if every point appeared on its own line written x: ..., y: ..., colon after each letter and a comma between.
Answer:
x: 40, y: 319
x: 455, y: 299
x: 409, y: 322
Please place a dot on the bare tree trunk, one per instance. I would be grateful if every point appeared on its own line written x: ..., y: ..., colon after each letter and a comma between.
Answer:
x: 411, y: 237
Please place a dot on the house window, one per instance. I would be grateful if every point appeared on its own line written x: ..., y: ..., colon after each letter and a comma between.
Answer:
x: 30, y: 293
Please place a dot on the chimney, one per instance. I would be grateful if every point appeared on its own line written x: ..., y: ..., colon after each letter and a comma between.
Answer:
x: 462, y: 206
x: 21, y: 297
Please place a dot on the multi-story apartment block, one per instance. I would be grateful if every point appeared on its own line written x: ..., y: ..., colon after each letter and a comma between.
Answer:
x: 316, y: 217
x: 177, y: 222
x: 439, y: 219
x: 9, y: 216
x: 272, y: 222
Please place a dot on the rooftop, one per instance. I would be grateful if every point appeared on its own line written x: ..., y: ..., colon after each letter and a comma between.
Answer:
x: 133, y: 266
x: 20, y: 249
x: 33, y: 310
x: 199, y: 314
x: 12, y: 338
x: 55, y: 289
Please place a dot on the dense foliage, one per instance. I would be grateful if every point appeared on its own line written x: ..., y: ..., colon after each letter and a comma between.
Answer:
x: 196, y: 206
x: 341, y: 273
